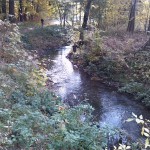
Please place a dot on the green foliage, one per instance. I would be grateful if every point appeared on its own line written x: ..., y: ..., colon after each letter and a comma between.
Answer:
x: 139, y: 90
x: 106, y: 58
x: 132, y: 87
x: 140, y: 65
x: 145, y: 129
x: 42, y: 120
x: 31, y: 117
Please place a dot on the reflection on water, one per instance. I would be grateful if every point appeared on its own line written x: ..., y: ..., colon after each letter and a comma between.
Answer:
x: 111, y: 108
x: 62, y: 74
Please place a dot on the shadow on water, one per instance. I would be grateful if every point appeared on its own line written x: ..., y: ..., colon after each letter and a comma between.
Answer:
x: 111, y: 108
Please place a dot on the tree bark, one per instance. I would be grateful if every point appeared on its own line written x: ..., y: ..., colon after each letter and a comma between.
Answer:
x: 73, y: 14
x: 80, y: 13
x: 85, y: 18
x: 4, y: 11
x: 11, y: 7
x: 86, y: 14
x: 21, y: 11
x: 76, y: 12
x: 4, y: 6
x: 64, y: 16
x: 131, y: 23
x: 64, y: 19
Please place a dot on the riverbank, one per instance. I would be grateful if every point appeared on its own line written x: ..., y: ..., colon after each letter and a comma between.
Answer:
x: 117, y: 60
x: 40, y: 38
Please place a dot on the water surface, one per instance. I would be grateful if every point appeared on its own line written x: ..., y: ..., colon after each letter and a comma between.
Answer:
x: 74, y: 87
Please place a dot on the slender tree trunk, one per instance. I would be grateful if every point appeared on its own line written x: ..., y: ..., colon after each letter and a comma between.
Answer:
x: 25, y: 14
x: 73, y: 14
x: 4, y: 8
x: 60, y: 14
x: 85, y: 18
x: 80, y: 12
x: 11, y: 7
x: 99, y: 18
x: 149, y: 26
x: 64, y: 17
x: 86, y: 13
x: 21, y: 11
x: 37, y: 8
x: 131, y: 23
x: 11, y: 11
x: 76, y: 12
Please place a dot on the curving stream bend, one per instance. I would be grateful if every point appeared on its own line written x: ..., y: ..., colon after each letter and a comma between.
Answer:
x: 111, y: 108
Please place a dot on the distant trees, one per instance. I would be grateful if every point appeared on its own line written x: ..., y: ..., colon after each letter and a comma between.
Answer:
x: 148, y: 29
x: 11, y: 10
x: 19, y: 9
x: 103, y: 14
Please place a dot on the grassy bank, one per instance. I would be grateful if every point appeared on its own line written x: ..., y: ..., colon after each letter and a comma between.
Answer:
x: 49, y: 37
x: 117, y: 60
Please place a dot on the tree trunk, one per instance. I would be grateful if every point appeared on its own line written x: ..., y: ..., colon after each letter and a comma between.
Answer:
x: 85, y: 18
x: 73, y: 14
x: 76, y: 12
x: 149, y: 26
x: 64, y: 16
x: 64, y: 24
x: 11, y: 11
x: 60, y: 14
x: 86, y: 14
x: 131, y: 23
x: 4, y: 8
x: 11, y: 7
x: 21, y: 11
x: 37, y: 7
x: 80, y: 13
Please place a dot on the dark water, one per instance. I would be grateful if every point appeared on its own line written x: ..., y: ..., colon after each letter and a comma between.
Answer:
x: 111, y: 108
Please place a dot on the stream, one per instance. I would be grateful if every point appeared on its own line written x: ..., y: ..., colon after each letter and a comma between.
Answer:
x: 74, y: 87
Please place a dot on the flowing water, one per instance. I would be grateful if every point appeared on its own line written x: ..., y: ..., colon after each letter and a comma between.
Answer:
x: 111, y: 108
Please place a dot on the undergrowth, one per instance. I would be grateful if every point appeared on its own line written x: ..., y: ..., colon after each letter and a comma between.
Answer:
x: 31, y: 117
x: 117, y: 60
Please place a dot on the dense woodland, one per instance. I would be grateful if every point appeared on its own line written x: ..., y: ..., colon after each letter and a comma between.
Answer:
x: 111, y: 44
